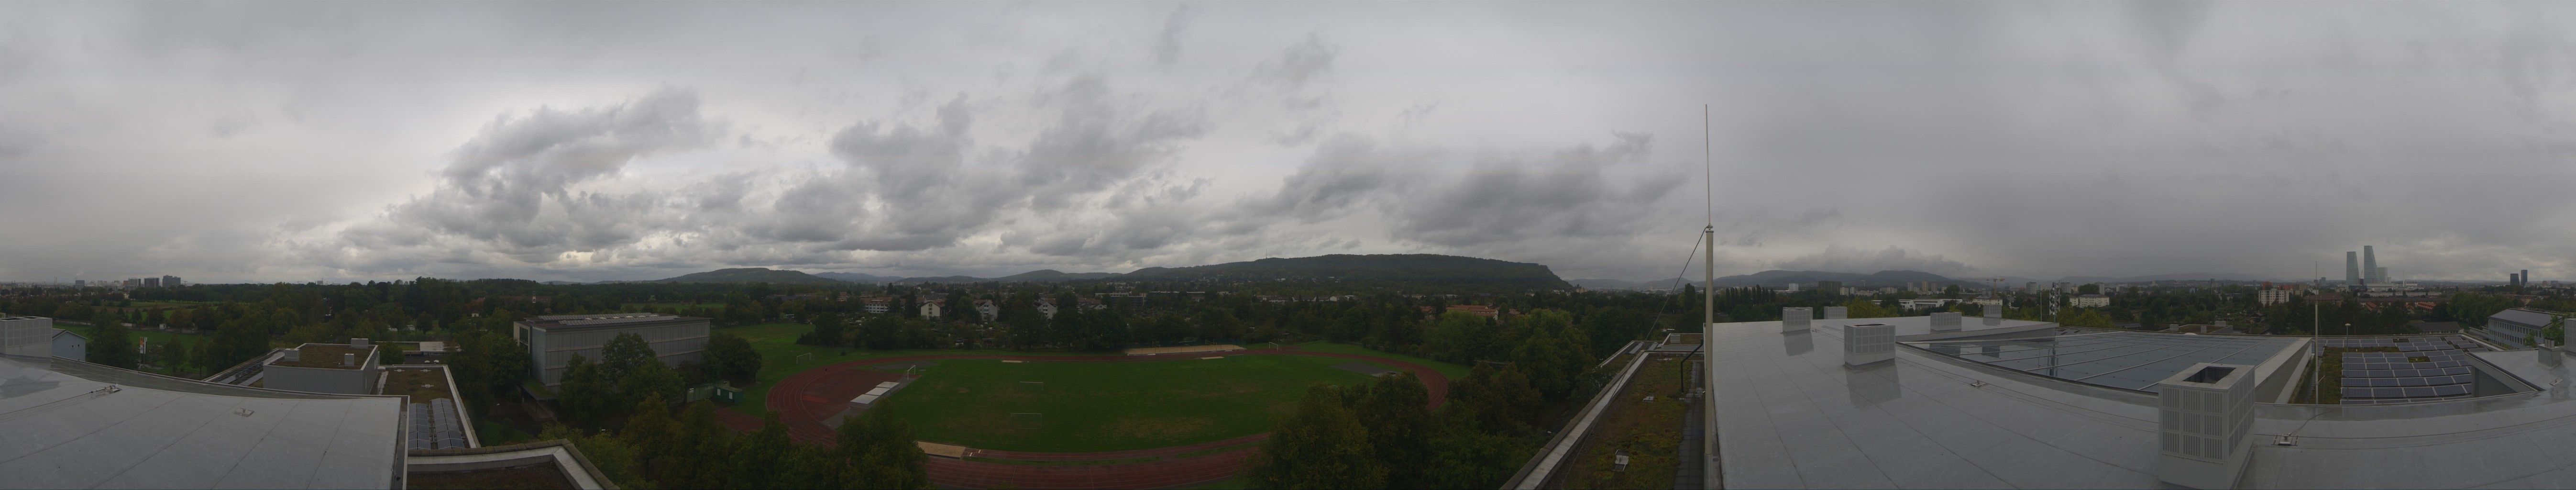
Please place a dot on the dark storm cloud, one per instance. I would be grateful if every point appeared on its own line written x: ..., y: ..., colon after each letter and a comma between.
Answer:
x: 1167, y: 47
x: 623, y: 141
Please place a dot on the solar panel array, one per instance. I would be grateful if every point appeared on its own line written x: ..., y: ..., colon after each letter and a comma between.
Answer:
x: 424, y: 435
x: 2389, y: 377
x: 2417, y: 343
x: 2125, y: 360
x: 2386, y: 377
x: 445, y: 424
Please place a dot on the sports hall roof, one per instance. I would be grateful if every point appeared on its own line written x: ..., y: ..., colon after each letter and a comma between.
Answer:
x: 61, y: 427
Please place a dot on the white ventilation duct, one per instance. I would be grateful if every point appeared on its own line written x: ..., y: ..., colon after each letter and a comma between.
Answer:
x: 1868, y: 343
x: 1947, y: 321
x: 1795, y: 319
x: 2204, y: 412
x: 349, y: 359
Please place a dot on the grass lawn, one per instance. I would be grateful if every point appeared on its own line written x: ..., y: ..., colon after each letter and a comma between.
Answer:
x: 159, y: 339
x: 1106, y: 406
x: 1455, y: 372
x: 1649, y: 431
x: 776, y: 343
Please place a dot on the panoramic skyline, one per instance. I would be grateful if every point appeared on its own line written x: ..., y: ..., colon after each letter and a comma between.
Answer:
x: 577, y: 141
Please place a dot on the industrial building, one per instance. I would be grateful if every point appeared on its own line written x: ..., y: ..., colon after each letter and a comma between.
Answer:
x: 35, y: 336
x: 1844, y: 404
x: 2518, y: 327
x: 552, y: 340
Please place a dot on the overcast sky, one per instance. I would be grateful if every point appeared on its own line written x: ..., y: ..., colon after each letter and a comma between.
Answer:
x: 588, y: 141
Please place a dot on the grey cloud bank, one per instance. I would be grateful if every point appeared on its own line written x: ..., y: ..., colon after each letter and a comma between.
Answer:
x: 347, y: 141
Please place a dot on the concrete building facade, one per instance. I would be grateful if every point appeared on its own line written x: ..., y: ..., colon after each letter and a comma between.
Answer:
x: 552, y: 340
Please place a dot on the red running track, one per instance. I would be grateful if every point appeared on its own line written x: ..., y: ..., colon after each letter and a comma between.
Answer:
x: 805, y: 399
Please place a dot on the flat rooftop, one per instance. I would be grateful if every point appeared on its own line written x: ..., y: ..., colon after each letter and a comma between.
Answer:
x: 61, y: 428
x: 422, y: 383
x: 326, y: 356
x: 1789, y: 414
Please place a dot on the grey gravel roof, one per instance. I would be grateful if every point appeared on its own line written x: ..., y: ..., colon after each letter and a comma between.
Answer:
x: 59, y: 428
x: 1790, y: 415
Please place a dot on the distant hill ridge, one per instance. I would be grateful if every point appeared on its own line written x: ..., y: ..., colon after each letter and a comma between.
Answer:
x: 1399, y: 269
x: 751, y: 274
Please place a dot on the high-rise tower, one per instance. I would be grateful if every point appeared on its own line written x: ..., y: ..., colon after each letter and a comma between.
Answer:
x: 2352, y: 268
x: 2370, y: 273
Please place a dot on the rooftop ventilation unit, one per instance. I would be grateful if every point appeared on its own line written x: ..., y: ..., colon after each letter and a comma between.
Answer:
x: 2204, y: 414
x: 293, y: 355
x: 2548, y: 353
x: 1837, y: 313
x: 356, y: 342
x: 1868, y: 343
x: 1795, y: 319
x: 349, y: 359
x: 1947, y: 321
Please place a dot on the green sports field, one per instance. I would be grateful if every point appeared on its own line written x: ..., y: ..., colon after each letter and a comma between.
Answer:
x: 1106, y: 406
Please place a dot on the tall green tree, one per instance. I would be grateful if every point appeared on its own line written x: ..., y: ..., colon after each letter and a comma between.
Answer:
x: 114, y: 346
x: 880, y: 454
x: 731, y: 358
x: 1322, y: 446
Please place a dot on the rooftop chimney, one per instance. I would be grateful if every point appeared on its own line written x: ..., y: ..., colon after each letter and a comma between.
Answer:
x: 1795, y: 319
x: 348, y: 360
x: 356, y: 342
x: 1868, y: 343
x: 2205, y: 411
x: 293, y: 355
x: 1947, y: 321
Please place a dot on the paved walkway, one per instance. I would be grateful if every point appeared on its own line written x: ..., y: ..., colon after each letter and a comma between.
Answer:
x: 805, y: 399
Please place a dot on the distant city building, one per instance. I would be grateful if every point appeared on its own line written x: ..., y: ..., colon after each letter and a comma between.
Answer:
x: 2352, y: 268
x: 133, y: 282
x: 2090, y: 301
x: 1793, y: 287
x: 2272, y: 296
x: 931, y: 308
x: 151, y: 282
x: 1830, y: 286
x: 169, y: 281
x: 2370, y: 267
x: 987, y: 309
x: 80, y: 283
x: 552, y: 340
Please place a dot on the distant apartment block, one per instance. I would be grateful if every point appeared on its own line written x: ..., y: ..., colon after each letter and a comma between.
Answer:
x: 170, y: 281
x: 552, y: 340
x: 933, y: 309
x: 2090, y: 301
x: 987, y: 309
x: 133, y: 282
x: 347, y: 369
x: 2272, y: 296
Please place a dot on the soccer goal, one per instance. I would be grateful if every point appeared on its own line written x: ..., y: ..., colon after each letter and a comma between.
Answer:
x: 802, y: 359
